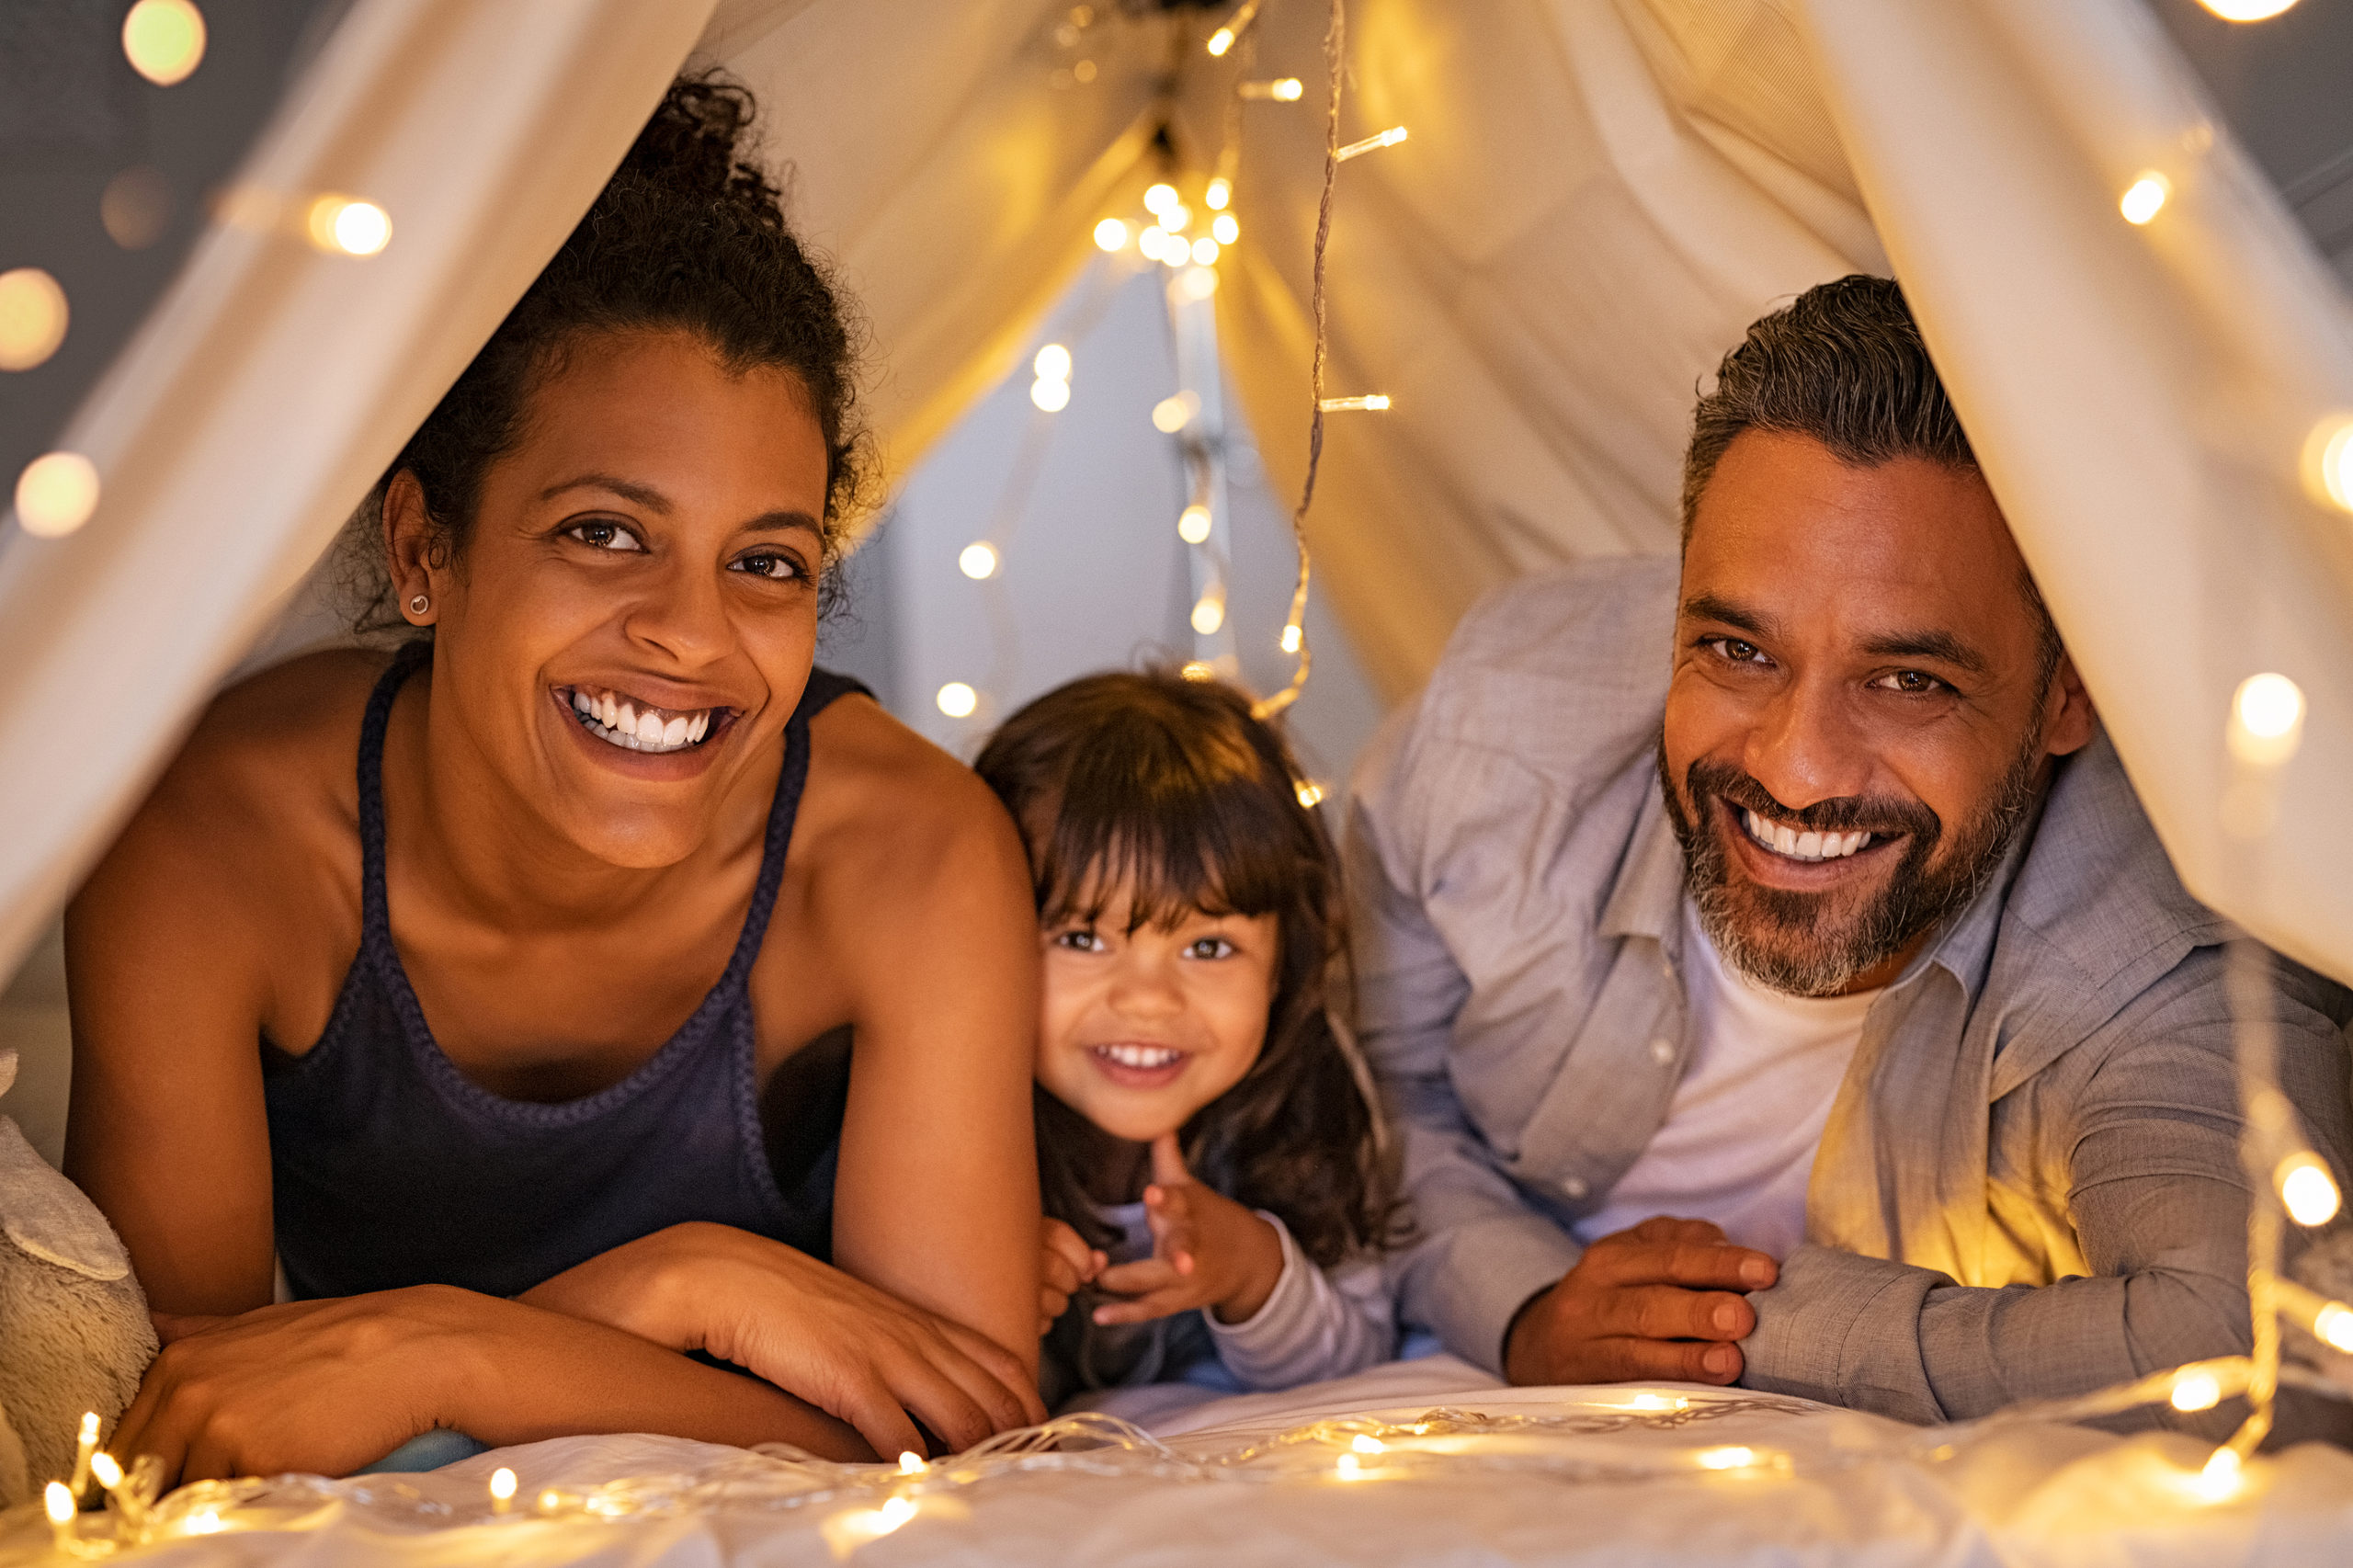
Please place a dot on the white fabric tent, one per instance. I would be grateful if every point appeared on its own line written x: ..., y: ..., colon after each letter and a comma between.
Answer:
x: 1598, y: 195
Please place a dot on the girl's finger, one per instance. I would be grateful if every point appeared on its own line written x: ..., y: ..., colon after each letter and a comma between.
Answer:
x: 1168, y: 1162
x: 1158, y: 1304
x: 1138, y: 1278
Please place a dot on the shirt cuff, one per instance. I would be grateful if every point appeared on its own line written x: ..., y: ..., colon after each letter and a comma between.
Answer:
x: 1844, y: 1329
x: 1298, y: 1335
x: 1467, y: 1284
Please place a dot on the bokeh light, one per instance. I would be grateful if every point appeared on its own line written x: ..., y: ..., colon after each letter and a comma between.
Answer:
x: 1112, y: 234
x: 1050, y: 394
x: 958, y: 700
x: 2329, y: 461
x: 1208, y: 614
x: 2267, y: 720
x: 33, y: 317
x: 1172, y: 412
x: 2246, y: 10
x: 1198, y: 283
x: 1220, y: 192
x: 2145, y: 197
x: 1205, y: 251
x: 164, y: 40
x: 347, y: 224
x: 1159, y: 198
x: 1193, y: 525
x: 977, y: 561
x: 56, y: 494
x: 1226, y: 228
x: 2308, y: 1191
x: 1052, y: 362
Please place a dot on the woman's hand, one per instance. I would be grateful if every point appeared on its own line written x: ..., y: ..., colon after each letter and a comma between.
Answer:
x: 1208, y: 1251
x: 325, y: 1386
x: 1068, y: 1264
x: 812, y: 1330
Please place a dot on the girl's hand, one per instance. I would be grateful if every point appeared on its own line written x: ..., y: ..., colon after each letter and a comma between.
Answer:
x: 1068, y: 1264
x: 1208, y: 1251
x: 851, y: 1350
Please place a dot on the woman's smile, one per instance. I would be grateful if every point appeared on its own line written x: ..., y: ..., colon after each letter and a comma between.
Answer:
x: 639, y: 738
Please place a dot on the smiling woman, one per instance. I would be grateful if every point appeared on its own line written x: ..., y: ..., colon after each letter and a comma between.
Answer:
x: 643, y: 990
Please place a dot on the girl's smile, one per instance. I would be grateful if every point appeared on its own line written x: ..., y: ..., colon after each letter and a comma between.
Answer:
x: 1143, y: 1027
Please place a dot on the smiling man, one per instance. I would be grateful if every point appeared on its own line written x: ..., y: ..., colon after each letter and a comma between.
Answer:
x: 1777, y: 976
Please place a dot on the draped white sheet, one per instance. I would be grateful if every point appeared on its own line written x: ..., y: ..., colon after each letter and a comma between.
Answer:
x: 1598, y: 194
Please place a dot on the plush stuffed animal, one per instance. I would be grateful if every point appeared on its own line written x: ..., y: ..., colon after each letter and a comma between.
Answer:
x: 75, y: 1335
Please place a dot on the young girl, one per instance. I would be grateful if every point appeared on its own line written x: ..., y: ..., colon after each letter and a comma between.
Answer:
x: 1213, y: 1164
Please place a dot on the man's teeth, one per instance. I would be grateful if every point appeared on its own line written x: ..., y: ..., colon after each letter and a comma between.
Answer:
x: 1146, y: 1056
x: 615, y: 718
x: 1785, y: 840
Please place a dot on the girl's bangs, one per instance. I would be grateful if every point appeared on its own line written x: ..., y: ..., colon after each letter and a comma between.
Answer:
x: 1218, y: 845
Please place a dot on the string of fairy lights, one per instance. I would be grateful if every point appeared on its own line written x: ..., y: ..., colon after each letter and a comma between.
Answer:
x: 1190, y: 231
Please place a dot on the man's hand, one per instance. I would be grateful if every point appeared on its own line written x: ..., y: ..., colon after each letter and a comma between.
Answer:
x: 1208, y: 1251
x: 1068, y: 1264
x: 1650, y: 1304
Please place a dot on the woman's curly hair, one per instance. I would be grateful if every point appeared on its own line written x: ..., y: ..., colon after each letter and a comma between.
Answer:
x: 688, y: 235
x: 1168, y: 789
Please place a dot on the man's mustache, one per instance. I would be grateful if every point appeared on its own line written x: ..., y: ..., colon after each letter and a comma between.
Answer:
x: 1881, y: 817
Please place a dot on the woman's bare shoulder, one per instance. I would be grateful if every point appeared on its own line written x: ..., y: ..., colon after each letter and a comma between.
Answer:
x: 890, y: 802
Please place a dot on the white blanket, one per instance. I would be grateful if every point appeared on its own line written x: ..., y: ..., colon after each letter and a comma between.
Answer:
x: 1660, y: 1473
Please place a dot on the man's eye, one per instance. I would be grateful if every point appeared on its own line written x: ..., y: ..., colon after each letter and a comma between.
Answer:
x: 1912, y: 683
x: 1209, y: 948
x: 1733, y: 648
x: 773, y: 565
x: 597, y: 534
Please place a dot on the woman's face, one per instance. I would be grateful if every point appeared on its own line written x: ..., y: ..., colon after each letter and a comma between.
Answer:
x: 633, y: 617
x: 1141, y: 1028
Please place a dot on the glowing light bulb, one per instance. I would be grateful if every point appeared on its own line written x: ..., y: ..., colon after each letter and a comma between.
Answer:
x: 2246, y: 10
x: 1373, y: 402
x: 1152, y: 240
x: 347, y: 224
x: 164, y: 40
x: 958, y: 700
x: 1389, y: 137
x: 978, y: 561
x: 33, y: 316
x: 1219, y: 192
x: 1112, y: 234
x: 57, y: 1502
x: 2222, y: 1477
x: 1158, y: 199
x: 2334, y: 1324
x: 1729, y: 1457
x: 1208, y: 614
x: 1198, y: 283
x: 1193, y: 524
x: 2307, y: 1190
x: 1052, y: 362
x: 56, y: 495
x: 1177, y: 218
x: 2145, y: 197
x: 1050, y: 394
x: 2197, y: 1391
x: 2329, y: 461
x: 1172, y: 414
x: 910, y: 1462
x: 1205, y: 251
x: 204, y: 1521
x: 107, y: 1469
x: 2267, y: 720
x: 1226, y: 228
x: 1223, y: 40
x: 1361, y: 1443
x: 1291, y: 639
x: 1310, y: 794
x: 1196, y: 670
x: 1350, y: 1468
x: 1282, y: 90
x: 502, y: 1488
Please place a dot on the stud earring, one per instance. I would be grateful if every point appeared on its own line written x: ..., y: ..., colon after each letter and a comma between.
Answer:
x: 419, y: 605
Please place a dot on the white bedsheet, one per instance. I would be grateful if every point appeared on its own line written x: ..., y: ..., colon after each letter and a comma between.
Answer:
x: 1826, y: 1487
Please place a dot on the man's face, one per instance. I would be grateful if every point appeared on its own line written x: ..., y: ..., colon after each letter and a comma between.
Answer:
x: 1859, y: 716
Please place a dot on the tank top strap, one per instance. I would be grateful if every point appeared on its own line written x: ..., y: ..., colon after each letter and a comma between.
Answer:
x: 825, y: 686
x: 375, y: 913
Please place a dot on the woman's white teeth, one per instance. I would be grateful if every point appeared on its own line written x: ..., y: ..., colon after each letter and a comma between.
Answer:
x: 1146, y: 1056
x: 1785, y: 840
x: 618, y: 722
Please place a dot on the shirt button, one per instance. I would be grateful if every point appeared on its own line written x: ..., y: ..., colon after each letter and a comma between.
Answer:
x: 1574, y: 1186
x: 1662, y: 1051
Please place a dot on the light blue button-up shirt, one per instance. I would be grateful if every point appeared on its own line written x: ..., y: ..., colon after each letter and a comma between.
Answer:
x: 2030, y: 1183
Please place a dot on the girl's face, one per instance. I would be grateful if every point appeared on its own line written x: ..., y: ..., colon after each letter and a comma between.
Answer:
x: 633, y: 617
x: 1143, y: 1027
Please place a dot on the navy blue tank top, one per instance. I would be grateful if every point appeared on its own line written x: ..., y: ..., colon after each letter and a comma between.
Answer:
x: 390, y: 1168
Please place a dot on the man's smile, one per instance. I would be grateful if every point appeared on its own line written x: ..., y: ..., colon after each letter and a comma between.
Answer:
x: 1778, y: 854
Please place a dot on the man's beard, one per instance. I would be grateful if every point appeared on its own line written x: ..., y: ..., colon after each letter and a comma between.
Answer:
x: 1795, y: 942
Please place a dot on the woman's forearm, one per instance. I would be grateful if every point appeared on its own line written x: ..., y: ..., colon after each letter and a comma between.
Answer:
x: 543, y: 1374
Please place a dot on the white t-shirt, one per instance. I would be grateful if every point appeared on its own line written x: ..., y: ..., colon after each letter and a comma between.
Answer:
x: 1741, y: 1131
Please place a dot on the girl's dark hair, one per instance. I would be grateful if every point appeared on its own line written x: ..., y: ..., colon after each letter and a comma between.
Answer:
x: 688, y: 235
x: 1168, y: 789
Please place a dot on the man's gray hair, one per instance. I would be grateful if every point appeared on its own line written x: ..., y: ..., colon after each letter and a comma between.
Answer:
x: 1845, y: 364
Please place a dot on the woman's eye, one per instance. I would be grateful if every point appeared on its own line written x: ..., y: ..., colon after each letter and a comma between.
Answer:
x: 597, y: 534
x: 1912, y: 683
x: 1209, y: 948
x: 775, y: 565
x: 1735, y: 650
